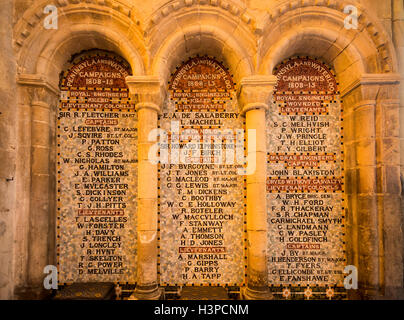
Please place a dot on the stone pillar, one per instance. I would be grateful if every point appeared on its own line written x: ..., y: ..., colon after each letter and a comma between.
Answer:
x: 398, y: 39
x: 42, y: 208
x: 40, y: 180
x: 371, y: 113
x: 255, y: 93
x: 366, y: 200
x: 389, y: 196
x: 389, y: 187
x: 147, y: 93
x: 8, y: 145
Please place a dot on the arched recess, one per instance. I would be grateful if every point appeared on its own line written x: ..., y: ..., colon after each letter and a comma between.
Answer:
x: 42, y: 55
x: 200, y: 30
x: 203, y: 30
x: 45, y: 51
x: 319, y: 31
x: 366, y: 69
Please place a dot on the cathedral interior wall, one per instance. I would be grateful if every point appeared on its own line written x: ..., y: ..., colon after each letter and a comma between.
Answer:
x: 251, y: 38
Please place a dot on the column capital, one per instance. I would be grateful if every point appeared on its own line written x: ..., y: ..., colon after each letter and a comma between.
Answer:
x: 44, y: 92
x: 369, y: 88
x: 371, y: 81
x: 146, y: 91
x: 256, y: 91
x: 38, y: 81
x: 38, y: 103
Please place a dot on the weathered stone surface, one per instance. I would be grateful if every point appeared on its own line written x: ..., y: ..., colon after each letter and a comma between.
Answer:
x: 251, y: 37
x: 305, y: 125
x: 8, y: 147
x: 97, y: 172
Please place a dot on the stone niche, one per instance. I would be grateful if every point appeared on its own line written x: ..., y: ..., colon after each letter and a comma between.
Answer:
x: 199, y: 226
x: 305, y: 191
x: 202, y: 194
x: 96, y: 172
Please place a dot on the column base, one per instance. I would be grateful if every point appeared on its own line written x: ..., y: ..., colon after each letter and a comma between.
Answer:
x: 250, y: 294
x: 32, y: 293
x: 140, y: 293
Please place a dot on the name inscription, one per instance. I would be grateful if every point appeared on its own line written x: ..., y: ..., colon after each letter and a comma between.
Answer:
x: 97, y: 173
x: 201, y: 200
x: 305, y: 178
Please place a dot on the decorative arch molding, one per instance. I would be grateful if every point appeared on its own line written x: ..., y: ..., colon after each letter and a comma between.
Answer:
x: 231, y: 16
x: 364, y: 59
x: 81, y: 37
x: 34, y: 16
x: 295, y: 22
x: 366, y: 67
x: 236, y: 9
x: 107, y: 25
x: 41, y: 55
x: 122, y: 16
x: 204, y: 39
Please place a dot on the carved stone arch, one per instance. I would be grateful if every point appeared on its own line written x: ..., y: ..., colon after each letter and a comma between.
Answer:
x: 202, y: 29
x: 84, y: 37
x: 112, y: 27
x: 185, y: 29
x: 234, y: 9
x: 365, y: 64
x: 324, y: 44
x: 293, y: 25
x: 41, y: 56
x: 35, y: 14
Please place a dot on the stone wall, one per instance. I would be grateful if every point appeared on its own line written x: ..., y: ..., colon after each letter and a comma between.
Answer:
x: 398, y: 38
x: 251, y: 37
x: 8, y: 146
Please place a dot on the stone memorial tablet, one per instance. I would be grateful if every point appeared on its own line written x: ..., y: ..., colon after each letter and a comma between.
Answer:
x: 202, y: 194
x: 97, y: 173
x: 306, y: 247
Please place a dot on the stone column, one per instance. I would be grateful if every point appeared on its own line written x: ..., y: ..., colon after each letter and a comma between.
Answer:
x: 389, y: 195
x: 255, y: 93
x: 42, y: 211
x: 398, y: 39
x: 371, y: 116
x: 39, y: 206
x: 147, y: 93
x: 8, y: 146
